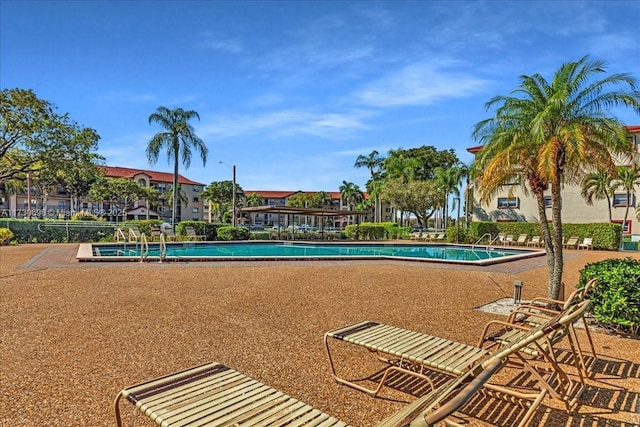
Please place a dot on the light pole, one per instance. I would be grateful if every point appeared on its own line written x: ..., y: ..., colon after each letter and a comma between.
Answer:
x: 233, y: 194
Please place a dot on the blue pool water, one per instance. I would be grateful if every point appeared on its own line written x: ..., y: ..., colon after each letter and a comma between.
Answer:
x: 300, y: 250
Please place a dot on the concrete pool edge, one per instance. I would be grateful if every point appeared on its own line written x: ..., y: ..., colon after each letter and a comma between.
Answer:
x: 85, y: 254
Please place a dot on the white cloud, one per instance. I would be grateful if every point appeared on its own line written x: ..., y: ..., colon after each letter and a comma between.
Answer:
x: 211, y: 41
x: 286, y: 123
x: 419, y: 84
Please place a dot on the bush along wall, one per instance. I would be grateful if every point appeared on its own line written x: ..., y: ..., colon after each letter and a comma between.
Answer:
x: 376, y: 231
x: 202, y: 228
x: 55, y: 231
x: 233, y: 233
x: 615, y: 299
x: 606, y: 236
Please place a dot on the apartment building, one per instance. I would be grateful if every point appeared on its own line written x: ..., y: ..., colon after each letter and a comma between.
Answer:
x: 59, y: 205
x: 511, y: 204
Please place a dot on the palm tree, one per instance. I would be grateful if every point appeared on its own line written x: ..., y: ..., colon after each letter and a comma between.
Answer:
x: 598, y: 186
x: 554, y: 133
x: 628, y: 178
x: 374, y: 163
x: 324, y: 199
x: 448, y: 181
x: 178, y: 138
x: 253, y: 200
x: 350, y: 194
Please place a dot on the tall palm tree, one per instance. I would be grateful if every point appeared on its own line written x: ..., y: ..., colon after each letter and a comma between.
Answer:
x: 178, y: 137
x: 598, y: 186
x: 374, y: 163
x: 448, y: 181
x: 351, y: 194
x: 555, y: 132
x: 628, y: 178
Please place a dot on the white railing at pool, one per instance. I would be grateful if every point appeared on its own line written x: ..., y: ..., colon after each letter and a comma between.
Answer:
x: 144, y: 247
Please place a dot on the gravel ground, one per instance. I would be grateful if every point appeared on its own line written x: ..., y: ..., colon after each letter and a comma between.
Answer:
x: 72, y: 335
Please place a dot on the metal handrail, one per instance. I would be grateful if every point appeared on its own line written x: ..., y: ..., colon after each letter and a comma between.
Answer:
x: 117, y: 233
x: 481, y: 239
x: 144, y: 247
x: 163, y: 247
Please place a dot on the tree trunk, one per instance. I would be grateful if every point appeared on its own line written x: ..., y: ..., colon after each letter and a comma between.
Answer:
x: 556, y: 209
x: 546, y: 237
x: 174, y: 204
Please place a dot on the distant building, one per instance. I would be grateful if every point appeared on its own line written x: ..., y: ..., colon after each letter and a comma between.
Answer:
x: 58, y: 204
x: 510, y: 204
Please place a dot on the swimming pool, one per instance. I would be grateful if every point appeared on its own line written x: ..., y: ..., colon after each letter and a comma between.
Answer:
x: 253, y: 251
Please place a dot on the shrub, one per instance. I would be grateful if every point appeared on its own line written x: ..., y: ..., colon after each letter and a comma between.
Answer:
x: 233, y: 233
x: 616, y: 297
x: 84, y: 216
x: 6, y: 236
x: 453, y: 230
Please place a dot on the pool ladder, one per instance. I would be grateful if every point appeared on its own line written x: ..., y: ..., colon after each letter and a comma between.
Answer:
x: 144, y: 247
x: 491, y: 241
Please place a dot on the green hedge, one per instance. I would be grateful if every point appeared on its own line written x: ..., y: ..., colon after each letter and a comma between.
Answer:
x: 56, y: 231
x: 615, y: 298
x: 202, y: 228
x: 605, y: 235
x: 376, y: 231
x: 233, y: 233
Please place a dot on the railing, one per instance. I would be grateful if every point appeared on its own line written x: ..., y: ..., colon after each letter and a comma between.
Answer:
x: 144, y: 247
x: 119, y: 233
x: 163, y: 247
x: 482, y: 238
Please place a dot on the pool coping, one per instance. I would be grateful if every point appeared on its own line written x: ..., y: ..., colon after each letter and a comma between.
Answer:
x: 85, y: 254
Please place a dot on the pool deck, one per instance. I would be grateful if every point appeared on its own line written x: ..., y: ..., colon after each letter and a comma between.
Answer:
x: 73, y: 334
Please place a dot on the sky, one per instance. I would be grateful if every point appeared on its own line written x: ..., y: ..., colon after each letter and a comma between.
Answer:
x: 292, y: 92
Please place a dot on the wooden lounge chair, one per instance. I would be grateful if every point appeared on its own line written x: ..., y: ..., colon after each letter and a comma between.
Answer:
x: 215, y: 395
x: 540, y: 309
x: 192, y: 235
x: 414, y: 354
x: 572, y: 242
x: 587, y: 243
x: 535, y: 241
x: 522, y: 240
x: 566, y: 389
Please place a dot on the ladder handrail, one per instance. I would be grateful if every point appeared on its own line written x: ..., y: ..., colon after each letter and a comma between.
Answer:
x: 117, y: 233
x: 491, y: 241
x: 144, y: 247
x: 163, y: 247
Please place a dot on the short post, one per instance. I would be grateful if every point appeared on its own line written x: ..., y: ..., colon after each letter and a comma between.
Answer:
x: 517, y: 291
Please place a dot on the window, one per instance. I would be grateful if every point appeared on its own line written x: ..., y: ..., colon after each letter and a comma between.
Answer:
x: 196, y: 200
x: 620, y: 199
x: 142, y: 182
x: 508, y: 203
x: 1, y: 201
x: 195, y: 210
x: 547, y: 201
x: 626, y: 226
x: 196, y: 188
x: 62, y: 191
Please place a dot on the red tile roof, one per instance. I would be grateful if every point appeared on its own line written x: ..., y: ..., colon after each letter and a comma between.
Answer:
x: 154, y: 176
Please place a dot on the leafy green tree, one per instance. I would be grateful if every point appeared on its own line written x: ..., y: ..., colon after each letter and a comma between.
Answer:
x: 254, y: 200
x: 418, y: 197
x: 558, y: 131
x: 598, y: 186
x: 51, y: 148
x: 302, y: 200
x: 323, y: 199
x: 220, y: 195
x: 179, y: 138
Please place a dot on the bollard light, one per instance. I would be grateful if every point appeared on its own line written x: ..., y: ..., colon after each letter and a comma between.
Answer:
x: 517, y: 291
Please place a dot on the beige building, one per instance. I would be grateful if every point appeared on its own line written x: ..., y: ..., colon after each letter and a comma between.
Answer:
x: 59, y: 205
x: 512, y: 205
